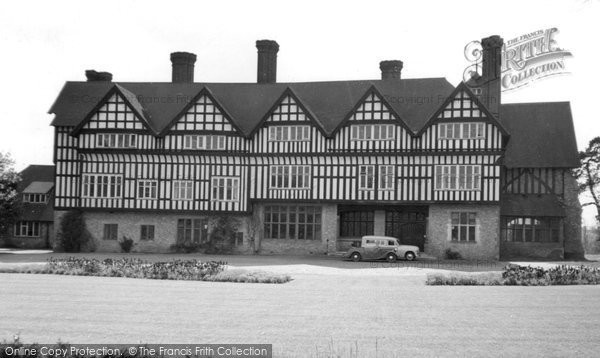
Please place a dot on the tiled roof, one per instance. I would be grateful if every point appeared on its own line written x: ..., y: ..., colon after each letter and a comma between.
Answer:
x: 541, y: 135
x: 414, y: 100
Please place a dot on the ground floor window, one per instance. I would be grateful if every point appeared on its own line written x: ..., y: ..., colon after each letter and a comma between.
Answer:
x: 530, y: 229
x: 27, y: 229
x: 192, y: 230
x: 463, y: 226
x: 147, y: 232
x: 292, y: 222
x: 356, y: 223
x: 110, y: 231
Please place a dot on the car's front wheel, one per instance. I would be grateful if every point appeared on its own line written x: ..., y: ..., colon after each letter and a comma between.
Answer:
x: 355, y: 257
x: 391, y: 257
x: 410, y: 256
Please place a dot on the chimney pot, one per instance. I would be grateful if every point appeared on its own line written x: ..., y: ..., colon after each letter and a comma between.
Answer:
x: 95, y: 76
x: 267, y: 61
x: 183, y: 67
x: 391, y: 70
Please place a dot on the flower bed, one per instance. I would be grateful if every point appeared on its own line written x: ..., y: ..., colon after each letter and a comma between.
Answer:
x: 191, y: 270
x: 516, y: 275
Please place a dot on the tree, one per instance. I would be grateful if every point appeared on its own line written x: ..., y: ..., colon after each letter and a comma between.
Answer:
x: 72, y: 233
x: 9, y: 203
x: 588, y: 174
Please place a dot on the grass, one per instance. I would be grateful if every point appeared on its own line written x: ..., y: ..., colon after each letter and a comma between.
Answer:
x: 191, y: 270
x: 312, y: 316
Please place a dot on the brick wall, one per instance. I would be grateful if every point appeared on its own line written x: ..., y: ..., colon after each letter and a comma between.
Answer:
x: 573, y: 244
x: 165, y: 229
x: 486, y: 245
x: 41, y: 242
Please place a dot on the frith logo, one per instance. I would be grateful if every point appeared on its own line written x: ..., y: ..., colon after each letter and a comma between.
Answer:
x: 525, y: 59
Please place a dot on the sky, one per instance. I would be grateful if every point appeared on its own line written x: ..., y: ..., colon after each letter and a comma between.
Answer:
x: 44, y: 44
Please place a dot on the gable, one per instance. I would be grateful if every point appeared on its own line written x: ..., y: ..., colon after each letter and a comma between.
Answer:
x: 204, y: 115
x: 288, y: 110
x: 462, y: 106
x: 372, y: 108
x: 114, y: 113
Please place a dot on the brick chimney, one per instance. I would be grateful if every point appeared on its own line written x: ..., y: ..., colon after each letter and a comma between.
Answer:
x: 95, y: 76
x: 267, y: 61
x: 183, y: 67
x: 490, y: 73
x: 390, y: 70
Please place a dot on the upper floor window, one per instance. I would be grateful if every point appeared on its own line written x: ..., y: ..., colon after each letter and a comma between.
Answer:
x: 373, y: 132
x: 470, y: 130
x: 35, y: 198
x: 386, y: 177
x: 183, y: 190
x: 204, y: 142
x: 290, y: 177
x: 27, y: 229
x: 225, y: 188
x: 289, y: 133
x: 102, y: 185
x: 147, y: 189
x: 366, y: 177
x: 457, y: 177
x: 115, y: 140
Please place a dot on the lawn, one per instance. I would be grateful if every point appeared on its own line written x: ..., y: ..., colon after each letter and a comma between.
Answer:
x: 319, y: 314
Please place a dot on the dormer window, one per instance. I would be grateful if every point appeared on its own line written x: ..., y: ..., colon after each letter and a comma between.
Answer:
x: 35, y: 198
x: 115, y: 140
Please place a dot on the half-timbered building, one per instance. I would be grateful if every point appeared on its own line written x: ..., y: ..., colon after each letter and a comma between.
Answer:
x: 309, y: 167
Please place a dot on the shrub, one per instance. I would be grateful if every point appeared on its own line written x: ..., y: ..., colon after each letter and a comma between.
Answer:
x: 135, y: 268
x: 191, y: 270
x: 72, y: 231
x: 515, y: 275
x: 239, y: 275
x: 187, y: 247
x: 222, y: 236
x: 126, y: 244
x: 465, y: 279
x: 452, y: 255
x: 559, y: 275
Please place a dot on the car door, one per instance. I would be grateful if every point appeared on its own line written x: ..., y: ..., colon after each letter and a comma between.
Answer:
x: 382, y: 248
x: 370, y: 249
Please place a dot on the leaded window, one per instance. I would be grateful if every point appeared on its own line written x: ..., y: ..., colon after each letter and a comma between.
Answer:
x: 289, y: 133
x: 530, y: 229
x: 463, y: 226
x: 183, y: 190
x: 356, y: 223
x: 372, y: 132
x: 292, y: 222
x: 470, y: 130
x: 116, y: 140
x: 457, y: 177
x: 147, y: 189
x: 27, y: 229
x: 225, y: 188
x: 102, y: 186
x: 290, y: 177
